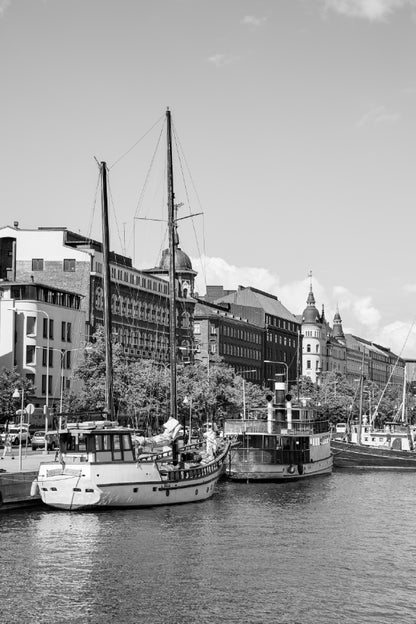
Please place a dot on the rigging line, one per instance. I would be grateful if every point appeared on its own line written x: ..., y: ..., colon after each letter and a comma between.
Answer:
x: 179, y: 152
x: 139, y: 204
x: 136, y: 143
x: 146, y: 180
x: 392, y: 371
x: 89, y: 231
x: 110, y: 195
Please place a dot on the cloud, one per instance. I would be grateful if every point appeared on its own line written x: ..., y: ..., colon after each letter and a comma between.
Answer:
x: 251, y: 20
x: 400, y: 337
x: 378, y: 115
x: 373, y: 10
x: 409, y: 288
x: 4, y: 5
x: 219, y: 60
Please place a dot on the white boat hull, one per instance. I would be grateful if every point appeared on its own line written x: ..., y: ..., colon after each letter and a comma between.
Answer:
x: 138, y: 485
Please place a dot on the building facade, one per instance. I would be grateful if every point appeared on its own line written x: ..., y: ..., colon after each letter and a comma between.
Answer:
x: 42, y: 335
x: 139, y: 299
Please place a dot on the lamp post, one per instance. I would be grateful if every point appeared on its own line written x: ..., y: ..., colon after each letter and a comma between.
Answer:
x: 287, y: 370
x: 16, y: 395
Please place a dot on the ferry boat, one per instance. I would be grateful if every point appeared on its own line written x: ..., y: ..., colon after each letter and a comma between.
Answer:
x: 288, y: 443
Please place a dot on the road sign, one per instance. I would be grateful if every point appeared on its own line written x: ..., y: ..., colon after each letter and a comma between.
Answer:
x: 30, y: 408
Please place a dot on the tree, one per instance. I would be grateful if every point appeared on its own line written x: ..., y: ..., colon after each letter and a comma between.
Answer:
x: 10, y: 379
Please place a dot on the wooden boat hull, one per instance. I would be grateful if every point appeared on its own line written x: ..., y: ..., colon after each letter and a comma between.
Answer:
x: 138, y: 484
x: 349, y: 455
x: 251, y: 471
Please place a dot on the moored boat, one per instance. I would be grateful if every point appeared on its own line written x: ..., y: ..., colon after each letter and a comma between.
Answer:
x: 289, y: 443
x: 361, y: 445
x: 365, y: 447
x: 100, y: 466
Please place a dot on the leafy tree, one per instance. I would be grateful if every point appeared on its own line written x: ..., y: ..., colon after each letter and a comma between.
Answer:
x: 10, y: 379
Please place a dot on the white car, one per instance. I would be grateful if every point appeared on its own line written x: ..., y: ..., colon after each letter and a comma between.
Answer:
x: 14, y: 433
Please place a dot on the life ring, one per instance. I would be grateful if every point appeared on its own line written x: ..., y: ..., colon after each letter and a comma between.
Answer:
x: 291, y: 469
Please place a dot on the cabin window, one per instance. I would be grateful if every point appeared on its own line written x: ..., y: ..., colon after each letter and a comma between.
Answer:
x: 99, y: 444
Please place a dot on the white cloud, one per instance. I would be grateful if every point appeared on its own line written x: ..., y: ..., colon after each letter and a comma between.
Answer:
x: 359, y: 314
x: 251, y: 20
x: 219, y: 60
x: 400, y: 337
x: 4, y: 5
x: 378, y: 115
x: 373, y: 10
x: 410, y: 288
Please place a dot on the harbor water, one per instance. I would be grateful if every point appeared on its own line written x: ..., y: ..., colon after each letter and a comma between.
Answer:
x: 332, y: 549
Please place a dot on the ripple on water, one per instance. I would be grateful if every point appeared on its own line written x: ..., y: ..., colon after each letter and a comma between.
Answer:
x: 336, y: 549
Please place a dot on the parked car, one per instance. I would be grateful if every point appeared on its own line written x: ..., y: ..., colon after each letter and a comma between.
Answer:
x: 14, y: 432
x: 38, y: 440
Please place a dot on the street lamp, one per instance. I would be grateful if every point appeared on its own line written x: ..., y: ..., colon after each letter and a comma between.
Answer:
x: 16, y: 395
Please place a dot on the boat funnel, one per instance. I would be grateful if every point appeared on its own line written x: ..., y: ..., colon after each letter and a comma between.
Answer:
x: 279, y: 397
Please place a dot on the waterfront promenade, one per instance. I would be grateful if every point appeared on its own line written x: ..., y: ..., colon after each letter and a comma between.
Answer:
x: 15, y: 483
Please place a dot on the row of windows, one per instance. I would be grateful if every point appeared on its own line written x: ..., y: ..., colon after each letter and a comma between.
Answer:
x: 136, y: 338
x: 244, y: 352
x: 309, y: 348
x: 68, y: 264
x: 281, y: 340
x: 278, y: 322
x: 242, y: 334
x: 65, y: 357
x: 48, y: 328
x: 312, y: 334
x: 133, y: 308
x: 122, y: 275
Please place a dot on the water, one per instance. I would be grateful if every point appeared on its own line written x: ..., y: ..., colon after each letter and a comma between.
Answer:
x: 334, y: 549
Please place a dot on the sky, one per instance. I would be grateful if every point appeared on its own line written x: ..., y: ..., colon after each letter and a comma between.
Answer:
x: 294, y: 135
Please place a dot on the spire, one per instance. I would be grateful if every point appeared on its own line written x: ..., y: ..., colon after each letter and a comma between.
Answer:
x: 311, y: 299
x: 338, y: 332
x: 310, y: 313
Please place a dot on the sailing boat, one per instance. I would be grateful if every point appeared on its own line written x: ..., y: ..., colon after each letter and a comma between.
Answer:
x: 99, y: 467
x: 364, y: 446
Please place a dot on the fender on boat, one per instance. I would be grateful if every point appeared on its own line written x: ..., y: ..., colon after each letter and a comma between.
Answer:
x: 34, y: 489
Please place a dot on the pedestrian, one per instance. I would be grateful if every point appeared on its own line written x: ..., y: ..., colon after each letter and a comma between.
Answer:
x: 8, y: 446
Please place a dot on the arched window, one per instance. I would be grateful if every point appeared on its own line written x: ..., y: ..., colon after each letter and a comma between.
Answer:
x: 308, y: 348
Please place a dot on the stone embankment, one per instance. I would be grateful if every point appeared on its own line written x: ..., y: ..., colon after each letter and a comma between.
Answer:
x: 16, y: 476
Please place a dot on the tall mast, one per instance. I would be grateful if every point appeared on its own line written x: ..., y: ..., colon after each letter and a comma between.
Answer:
x: 172, y: 284
x: 109, y: 400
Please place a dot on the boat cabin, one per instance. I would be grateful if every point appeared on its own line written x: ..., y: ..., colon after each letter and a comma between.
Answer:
x: 97, y: 445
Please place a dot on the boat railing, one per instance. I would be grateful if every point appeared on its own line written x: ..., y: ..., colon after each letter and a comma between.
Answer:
x: 282, y: 427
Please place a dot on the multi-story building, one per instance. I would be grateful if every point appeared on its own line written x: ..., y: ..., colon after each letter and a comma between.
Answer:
x: 237, y: 341
x: 42, y: 332
x: 140, y: 299
x: 282, y: 336
x: 328, y: 349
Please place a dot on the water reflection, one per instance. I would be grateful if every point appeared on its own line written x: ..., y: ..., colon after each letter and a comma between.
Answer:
x: 337, y: 549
